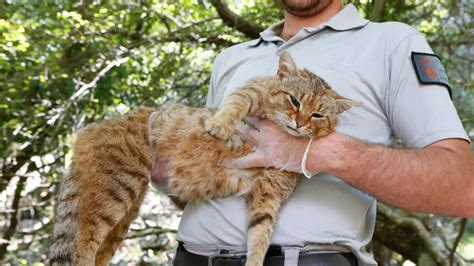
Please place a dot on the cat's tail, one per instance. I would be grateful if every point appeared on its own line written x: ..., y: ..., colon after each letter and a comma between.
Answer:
x: 65, y: 222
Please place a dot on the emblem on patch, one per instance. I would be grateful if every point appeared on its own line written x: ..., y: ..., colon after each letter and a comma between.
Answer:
x: 430, y: 70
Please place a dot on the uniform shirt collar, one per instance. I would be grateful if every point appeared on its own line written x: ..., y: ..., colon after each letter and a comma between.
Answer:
x: 346, y: 19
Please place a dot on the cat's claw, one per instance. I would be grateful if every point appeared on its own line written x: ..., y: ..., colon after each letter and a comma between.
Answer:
x: 218, y: 129
x: 234, y: 142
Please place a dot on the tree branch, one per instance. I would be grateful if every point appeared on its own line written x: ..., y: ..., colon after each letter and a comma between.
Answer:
x: 456, y: 242
x: 377, y: 10
x: 82, y: 89
x: 406, y: 235
x: 236, y: 22
x: 9, y: 169
x: 10, y: 231
x: 149, y: 231
x: 182, y: 35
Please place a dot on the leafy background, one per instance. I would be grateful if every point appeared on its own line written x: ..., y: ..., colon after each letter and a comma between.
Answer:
x: 64, y: 64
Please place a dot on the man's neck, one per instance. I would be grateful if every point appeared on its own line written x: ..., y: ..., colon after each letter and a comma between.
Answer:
x: 293, y: 23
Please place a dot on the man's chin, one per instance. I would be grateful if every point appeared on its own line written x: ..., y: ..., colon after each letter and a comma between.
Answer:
x: 304, y: 8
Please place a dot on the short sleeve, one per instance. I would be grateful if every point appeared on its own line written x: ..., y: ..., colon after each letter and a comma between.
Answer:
x: 419, y: 114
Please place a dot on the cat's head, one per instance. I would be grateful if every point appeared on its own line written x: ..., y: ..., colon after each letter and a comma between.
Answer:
x: 302, y: 103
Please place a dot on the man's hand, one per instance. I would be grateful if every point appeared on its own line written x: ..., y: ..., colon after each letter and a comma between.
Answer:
x: 159, y: 174
x: 274, y: 148
x: 160, y: 178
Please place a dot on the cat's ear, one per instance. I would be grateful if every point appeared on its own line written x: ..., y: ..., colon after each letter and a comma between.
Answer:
x: 286, y: 66
x: 344, y: 104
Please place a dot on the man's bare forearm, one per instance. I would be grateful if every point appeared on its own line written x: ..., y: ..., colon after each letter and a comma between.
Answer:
x: 436, y: 179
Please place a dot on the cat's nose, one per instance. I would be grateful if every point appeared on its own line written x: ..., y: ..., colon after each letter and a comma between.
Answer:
x: 300, y: 121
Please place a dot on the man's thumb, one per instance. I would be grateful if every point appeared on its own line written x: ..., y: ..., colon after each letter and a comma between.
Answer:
x: 249, y: 161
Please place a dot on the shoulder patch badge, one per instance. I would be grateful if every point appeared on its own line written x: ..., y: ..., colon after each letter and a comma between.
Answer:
x: 430, y: 70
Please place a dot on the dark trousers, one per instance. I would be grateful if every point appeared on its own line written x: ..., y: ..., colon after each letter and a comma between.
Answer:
x: 185, y: 258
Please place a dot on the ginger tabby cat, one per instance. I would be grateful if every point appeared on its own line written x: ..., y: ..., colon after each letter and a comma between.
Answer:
x: 110, y: 170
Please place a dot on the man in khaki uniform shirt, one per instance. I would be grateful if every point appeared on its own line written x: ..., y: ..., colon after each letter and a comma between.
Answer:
x: 382, y: 65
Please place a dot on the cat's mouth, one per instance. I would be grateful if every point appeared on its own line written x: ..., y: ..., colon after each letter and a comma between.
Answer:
x: 293, y: 131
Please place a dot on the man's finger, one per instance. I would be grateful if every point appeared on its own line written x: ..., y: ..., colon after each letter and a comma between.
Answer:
x: 160, y: 169
x: 249, y: 135
x: 251, y: 120
x: 257, y: 122
x: 249, y: 161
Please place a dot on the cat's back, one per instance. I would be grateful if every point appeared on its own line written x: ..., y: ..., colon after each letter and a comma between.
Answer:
x: 177, y: 133
x: 175, y: 116
x: 118, y: 141
x: 175, y: 125
x: 133, y: 123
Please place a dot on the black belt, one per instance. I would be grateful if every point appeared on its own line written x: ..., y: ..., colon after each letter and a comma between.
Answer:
x: 274, y: 257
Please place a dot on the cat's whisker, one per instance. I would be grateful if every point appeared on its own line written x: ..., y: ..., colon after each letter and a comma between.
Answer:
x: 309, y: 134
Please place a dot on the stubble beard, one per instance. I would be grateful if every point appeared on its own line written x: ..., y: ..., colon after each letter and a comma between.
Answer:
x: 304, y: 8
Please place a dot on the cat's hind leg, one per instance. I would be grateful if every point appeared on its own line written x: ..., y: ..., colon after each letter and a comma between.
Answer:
x: 264, y: 200
x: 116, y: 236
x: 101, y: 211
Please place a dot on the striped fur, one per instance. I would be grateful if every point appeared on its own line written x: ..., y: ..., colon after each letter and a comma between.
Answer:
x: 110, y: 174
x: 103, y: 191
x: 65, y: 222
x: 112, y: 161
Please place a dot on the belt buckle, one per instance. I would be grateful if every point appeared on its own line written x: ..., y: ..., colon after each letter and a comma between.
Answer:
x: 217, y: 256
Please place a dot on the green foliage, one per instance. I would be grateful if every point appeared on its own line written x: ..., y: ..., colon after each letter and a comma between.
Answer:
x: 64, y: 64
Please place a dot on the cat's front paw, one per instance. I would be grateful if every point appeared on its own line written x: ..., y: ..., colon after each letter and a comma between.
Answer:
x: 218, y: 128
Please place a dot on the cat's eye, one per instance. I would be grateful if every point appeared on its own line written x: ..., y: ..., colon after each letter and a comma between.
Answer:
x: 316, y: 115
x: 294, y: 101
